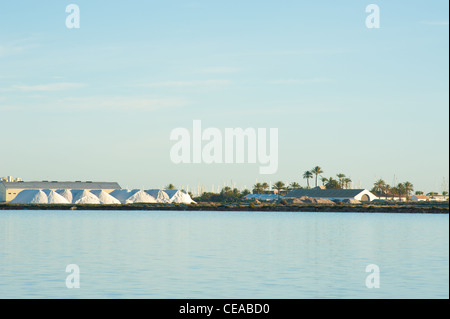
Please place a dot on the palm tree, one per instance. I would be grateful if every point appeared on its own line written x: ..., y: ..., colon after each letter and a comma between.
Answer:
x: 226, y: 189
x: 324, y: 180
x: 388, y: 190
x: 245, y: 192
x: 400, y: 190
x: 170, y: 186
x: 379, y: 187
x: 279, y: 186
x: 257, y: 188
x: 341, y: 179
x: 265, y: 187
x: 408, y: 187
x: 332, y: 184
x: 432, y: 194
x: 347, y: 182
x: 294, y: 185
x: 317, y: 171
x: 307, y: 175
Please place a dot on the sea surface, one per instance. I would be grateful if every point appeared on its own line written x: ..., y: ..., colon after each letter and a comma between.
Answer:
x: 138, y: 254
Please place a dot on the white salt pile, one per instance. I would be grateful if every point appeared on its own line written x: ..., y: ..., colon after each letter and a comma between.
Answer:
x: 177, y: 196
x: 140, y: 197
x: 171, y: 193
x: 55, y: 198
x: 123, y: 194
x: 159, y: 195
x: 66, y: 193
x: 84, y: 197
x: 31, y: 196
x: 105, y: 198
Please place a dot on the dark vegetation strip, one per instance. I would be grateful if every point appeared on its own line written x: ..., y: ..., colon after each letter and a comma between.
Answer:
x: 435, y: 208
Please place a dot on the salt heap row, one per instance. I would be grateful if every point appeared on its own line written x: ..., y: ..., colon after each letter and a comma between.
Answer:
x: 122, y: 196
x: 127, y: 196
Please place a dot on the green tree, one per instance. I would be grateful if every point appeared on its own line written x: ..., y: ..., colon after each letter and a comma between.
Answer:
x: 400, y: 189
x: 307, y: 175
x: 245, y: 192
x: 226, y: 189
x: 170, y: 186
x: 379, y: 187
x: 389, y: 190
x: 294, y: 185
x: 265, y: 187
x: 347, y: 181
x: 408, y: 188
x: 279, y: 186
x: 333, y: 184
x: 324, y: 180
x: 257, y: 188
x: 341, y: 177
x: 317, y: 171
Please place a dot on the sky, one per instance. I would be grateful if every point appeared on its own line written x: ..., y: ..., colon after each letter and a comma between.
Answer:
x: 99, y: 102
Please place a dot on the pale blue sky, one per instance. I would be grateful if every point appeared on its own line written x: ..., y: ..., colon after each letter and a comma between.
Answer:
x: 99, y: 102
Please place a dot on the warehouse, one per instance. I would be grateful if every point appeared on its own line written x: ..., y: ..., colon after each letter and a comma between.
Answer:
x: 9, y: 190
x: 362, y: 195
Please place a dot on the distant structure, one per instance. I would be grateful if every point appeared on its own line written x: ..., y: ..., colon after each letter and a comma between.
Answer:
x: 263, y: 197
x: 419, y: 198
x: 362, y: 195
x: 10, y: 179
x: 10, y: 187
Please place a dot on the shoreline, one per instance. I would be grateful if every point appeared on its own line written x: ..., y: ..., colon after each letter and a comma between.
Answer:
x: 436, y: 208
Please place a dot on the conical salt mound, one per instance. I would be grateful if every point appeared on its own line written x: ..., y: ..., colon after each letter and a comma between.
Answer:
x: 171, y: 193
x: 31, y: 196
x: 177, y: 196
x: 66, y: 193
x: 123, y: 194
x: 141, y: 197
x: 55, y: 198
x: 159, y: 195
x: 105, y: 198
x: 84, y: 197
x: 46, y: 191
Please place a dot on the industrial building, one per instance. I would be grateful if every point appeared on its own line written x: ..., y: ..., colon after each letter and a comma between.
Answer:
x: 362, y: 195
x: 9, y: 189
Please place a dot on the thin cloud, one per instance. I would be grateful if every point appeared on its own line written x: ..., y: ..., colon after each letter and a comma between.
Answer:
x: 294, y: 52
x: 220, y: 70
x: 52, y: 87
x: 188, y: 83
x: 97, y: 103
x: 120, y: 103
x: 300, y: 81
x: 192, y: 5
x: 442, y: 23
x: 17, y: 47
x: 9, y: 50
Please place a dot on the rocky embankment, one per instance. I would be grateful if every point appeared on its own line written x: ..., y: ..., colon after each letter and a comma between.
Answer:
x: 281, y: 206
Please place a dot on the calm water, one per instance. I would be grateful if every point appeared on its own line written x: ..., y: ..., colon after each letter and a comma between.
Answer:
x: 222, y: 254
